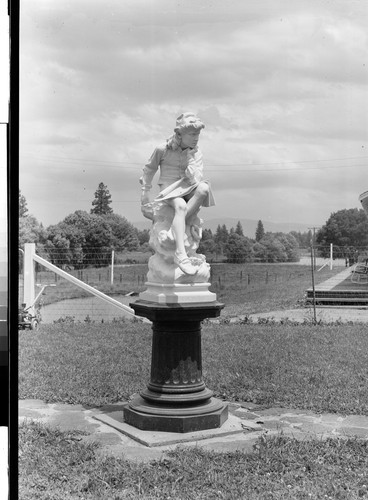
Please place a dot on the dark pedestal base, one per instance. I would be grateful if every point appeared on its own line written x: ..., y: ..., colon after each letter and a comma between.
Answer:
x: 149, y: 417
x: 176, y: 398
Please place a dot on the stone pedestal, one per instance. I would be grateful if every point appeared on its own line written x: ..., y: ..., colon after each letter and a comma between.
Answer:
x: 176, y: 398
x: 178, y: 293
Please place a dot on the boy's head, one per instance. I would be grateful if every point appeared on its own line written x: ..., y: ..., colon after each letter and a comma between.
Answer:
x: 188, y: 121
x: 187, y: 130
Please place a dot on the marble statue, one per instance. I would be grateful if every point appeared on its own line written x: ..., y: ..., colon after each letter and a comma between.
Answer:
x: 177, y: 229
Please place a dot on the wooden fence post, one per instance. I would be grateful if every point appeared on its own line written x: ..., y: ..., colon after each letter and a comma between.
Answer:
x: 112, y: 266
x: 29, y: 274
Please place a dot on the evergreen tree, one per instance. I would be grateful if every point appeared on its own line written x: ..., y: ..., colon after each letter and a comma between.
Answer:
x: 23, y: 210
x: 207, y: 234
x: 101, y: 203
x: 260, y: 232
x: 221, y: 238
x: 239, y: 229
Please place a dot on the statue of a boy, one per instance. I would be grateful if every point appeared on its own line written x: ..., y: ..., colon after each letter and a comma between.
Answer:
x: 183, y: 188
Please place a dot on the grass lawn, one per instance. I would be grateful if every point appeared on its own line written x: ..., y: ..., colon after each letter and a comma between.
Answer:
x: 323, y: 368
x: 58, y: 465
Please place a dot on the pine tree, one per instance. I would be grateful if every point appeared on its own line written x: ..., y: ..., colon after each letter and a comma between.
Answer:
x: 101, y: 203
x: 22, y: 205
x: 222, y: 234
x: 239, y: 229
x: 221, y: 238
x: 260, y: 232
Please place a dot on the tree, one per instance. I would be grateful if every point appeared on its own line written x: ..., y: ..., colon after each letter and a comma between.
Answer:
x: 83, y: 239
x: 221, y: 238
x: 238, y: 249
x: 30, y: 230
x: 124, y: 234
x: 272, y: 250
x: 79, y: 240
x: 303, y: 239
x: 260, y: 252
x: 101, y: 203
x: 239, y: 229
x: 291, y: 246
x: 207, y: 244
x: 260, y: 232
x: 23, y: 210
x: 348, y: 227
x: 64, y: 245
x: 143, y: 236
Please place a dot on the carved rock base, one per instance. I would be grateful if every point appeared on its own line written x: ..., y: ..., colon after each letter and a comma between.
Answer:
x: 183, y: 293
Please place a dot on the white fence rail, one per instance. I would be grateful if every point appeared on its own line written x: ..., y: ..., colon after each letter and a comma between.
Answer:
x: 30, y: 257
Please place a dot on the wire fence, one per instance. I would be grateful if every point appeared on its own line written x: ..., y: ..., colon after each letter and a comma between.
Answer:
x: 62, y: 300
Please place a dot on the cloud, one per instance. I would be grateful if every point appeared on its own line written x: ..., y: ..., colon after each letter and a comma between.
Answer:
x: 276, y: 83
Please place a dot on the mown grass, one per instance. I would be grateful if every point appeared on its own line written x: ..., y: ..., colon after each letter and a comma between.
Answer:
x: 57, y: 465
x: 323, y: 368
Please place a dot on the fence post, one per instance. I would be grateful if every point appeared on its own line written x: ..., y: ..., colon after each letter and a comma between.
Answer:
x: 313, y: 284
x: 331, y: 256
x: 112, y: 266
x: 29, y: 274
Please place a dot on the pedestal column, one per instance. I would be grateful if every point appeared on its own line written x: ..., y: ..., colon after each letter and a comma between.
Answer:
x: 176, y: 398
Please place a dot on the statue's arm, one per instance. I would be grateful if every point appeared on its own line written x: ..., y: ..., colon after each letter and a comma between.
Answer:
x: 149, y: 171
x: 194, y: 170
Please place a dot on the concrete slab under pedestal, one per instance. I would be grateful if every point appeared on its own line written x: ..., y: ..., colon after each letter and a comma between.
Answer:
x: 178, y: 293
x: 115, y: 419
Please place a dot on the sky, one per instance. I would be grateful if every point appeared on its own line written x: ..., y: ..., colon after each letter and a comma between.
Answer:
x: 281, y: 86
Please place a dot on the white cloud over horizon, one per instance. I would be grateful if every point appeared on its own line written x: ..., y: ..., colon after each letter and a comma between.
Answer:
x: 281, y: 86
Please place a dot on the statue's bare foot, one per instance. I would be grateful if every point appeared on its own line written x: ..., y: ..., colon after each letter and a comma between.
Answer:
x: 185, y: 265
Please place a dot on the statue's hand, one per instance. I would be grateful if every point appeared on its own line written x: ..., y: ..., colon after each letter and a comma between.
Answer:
x: 145, y: 198
x: 194, y: 175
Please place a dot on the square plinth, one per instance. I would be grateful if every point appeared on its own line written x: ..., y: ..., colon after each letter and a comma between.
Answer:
x: 178, y: 293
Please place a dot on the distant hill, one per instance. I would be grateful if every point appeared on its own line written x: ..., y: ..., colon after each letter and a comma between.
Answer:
x: 249, y: 225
